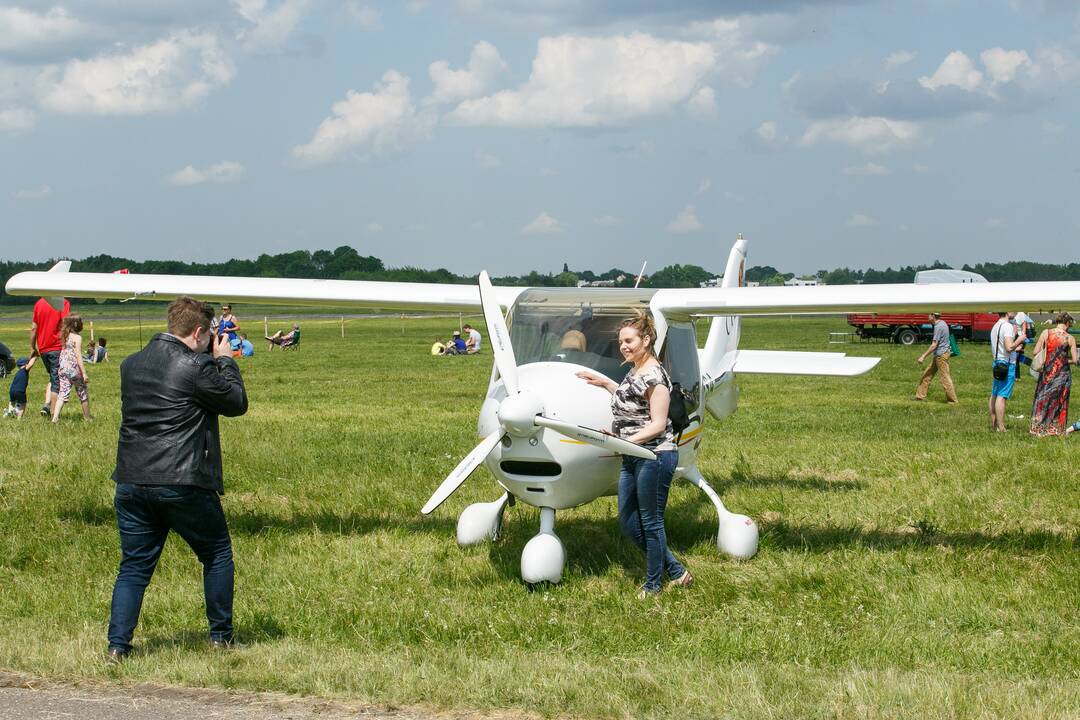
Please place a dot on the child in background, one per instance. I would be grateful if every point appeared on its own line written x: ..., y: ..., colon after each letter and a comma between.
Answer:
x: 72, y: 372
x: 439, y: 347
x: 17, y: 392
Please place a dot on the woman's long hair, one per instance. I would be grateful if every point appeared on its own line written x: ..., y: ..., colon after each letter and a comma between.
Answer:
x: 644, y: 325
x: 71, y: 324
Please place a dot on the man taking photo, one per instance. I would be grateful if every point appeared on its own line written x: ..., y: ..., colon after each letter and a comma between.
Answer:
x: 168, y: 466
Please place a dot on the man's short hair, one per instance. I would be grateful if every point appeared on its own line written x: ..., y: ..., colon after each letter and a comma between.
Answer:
x: 466, y: 326
x: 186, y: 314
x: 935, y: 315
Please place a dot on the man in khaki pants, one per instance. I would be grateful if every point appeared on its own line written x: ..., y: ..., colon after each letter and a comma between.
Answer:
x: 940, y: 364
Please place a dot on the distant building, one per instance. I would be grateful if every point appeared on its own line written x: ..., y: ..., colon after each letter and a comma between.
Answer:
x: 599, y: 283
x: 799, y: 282
x: 712, y: 282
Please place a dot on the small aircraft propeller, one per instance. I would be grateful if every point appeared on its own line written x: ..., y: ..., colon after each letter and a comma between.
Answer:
x: 462, y: 471
x: 521, y: 411
x: 498, y: 335
x: 595, y: 437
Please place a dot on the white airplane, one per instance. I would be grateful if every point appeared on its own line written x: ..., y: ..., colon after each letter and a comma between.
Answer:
x: 539, y: 422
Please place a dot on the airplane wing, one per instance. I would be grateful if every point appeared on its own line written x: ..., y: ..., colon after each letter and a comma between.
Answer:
x: 975, y: 297
x: 272, y: 291
x: 768, y: 362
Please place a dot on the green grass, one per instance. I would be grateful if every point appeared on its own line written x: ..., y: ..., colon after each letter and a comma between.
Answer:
x: 912, y: 564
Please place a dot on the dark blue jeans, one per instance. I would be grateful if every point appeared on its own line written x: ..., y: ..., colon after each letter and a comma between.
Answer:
x: 144, y: 515
x: 643, y: 493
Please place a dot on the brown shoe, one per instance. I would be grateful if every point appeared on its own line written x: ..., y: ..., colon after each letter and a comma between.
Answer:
x: 683, y: 581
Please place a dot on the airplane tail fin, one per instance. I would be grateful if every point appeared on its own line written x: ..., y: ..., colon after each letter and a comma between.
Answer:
x: 724, y: 330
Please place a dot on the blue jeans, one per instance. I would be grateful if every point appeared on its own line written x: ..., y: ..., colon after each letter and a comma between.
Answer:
x: 51, y: 361
x: 144, y: 515
x: 643, y: 493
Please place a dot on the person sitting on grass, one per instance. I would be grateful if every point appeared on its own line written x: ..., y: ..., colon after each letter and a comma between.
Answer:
x: 456, y: 346
x: 96, y: 351
x: 1073, y: 428
x: 17, y: 392
x: 439, y: 347
x: 284, y: 340
x: 247, y: 349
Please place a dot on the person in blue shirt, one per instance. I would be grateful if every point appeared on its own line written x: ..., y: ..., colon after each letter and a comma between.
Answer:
x: 228, y: 324
x: 456, y: 346
x: 246, y: 348
x: 17, y: 392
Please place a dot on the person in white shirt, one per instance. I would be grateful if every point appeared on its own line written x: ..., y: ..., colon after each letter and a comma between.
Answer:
x: 1005, y: 338
x: 472, y: 344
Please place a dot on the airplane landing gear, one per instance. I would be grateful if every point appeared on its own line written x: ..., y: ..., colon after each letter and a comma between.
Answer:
x: 737, y: 535
x: 481, y: 521
x: 544, y: 557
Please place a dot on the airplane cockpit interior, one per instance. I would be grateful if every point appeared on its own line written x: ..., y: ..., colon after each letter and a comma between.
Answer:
x: 581, y: 326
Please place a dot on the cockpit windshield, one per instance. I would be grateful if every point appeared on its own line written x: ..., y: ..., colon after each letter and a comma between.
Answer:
x: 576, y: 325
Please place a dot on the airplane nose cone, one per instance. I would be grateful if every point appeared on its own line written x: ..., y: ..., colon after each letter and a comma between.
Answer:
x: 516, y: 413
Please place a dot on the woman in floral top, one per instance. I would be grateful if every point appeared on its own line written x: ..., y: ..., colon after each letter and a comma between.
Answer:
x: 640, y: 406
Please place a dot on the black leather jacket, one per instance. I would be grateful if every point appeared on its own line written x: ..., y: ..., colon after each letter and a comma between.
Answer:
x: 170, y: 401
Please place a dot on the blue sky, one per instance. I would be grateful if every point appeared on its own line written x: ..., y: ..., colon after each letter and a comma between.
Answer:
x: 520, y: 134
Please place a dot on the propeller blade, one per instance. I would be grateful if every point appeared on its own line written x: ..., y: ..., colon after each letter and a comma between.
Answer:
x: 464, y: 469
x: 498, y: 335
x: 596, y: 437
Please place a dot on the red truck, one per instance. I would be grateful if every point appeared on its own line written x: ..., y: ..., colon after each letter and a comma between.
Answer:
x: 908, y: 329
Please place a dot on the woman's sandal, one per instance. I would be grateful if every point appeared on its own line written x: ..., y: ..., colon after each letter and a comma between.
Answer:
x: 683, y: 581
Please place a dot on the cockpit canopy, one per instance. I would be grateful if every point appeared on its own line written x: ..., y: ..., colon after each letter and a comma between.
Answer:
x: 578, y: 325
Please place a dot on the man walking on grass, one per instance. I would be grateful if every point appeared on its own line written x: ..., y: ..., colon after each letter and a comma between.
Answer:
x: 168, y: 466
x: 940, y: 364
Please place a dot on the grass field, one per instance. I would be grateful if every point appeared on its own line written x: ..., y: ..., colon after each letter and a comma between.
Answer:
x: 912, y: 564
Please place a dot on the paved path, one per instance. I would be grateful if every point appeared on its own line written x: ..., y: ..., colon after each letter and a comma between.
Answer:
x: 23, y: 697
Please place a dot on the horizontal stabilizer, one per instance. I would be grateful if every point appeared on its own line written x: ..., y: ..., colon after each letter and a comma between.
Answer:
x: 769, y: 362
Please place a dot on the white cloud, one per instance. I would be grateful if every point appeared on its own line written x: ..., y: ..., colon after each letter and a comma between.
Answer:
x: 485, y: 64
x: 487, y: 160
x: 703, y: 103
x: 767, y: 132
x: 40, y: 194
x: 703, y: 186
x: 607, y: 221
x: 1052, y: 128
x: 170, y: 74
x: 366, y: 16
x: 686, y: 221
x: 595, y: 81
x: 543, y: 224
x: 25, y: 31
x: 993, y: 223
x: 860, y: 220
x: 868, y: 134
x: 415, y: 7
x: 16, y: 120
x: 379, y: 121
x: 868, y: 169
x: 734, y: 197
x: 920, y: 168
x: 1003, y: 65
x: 270, y: 29
x: 548, y: 172
x: 222, y: 172
x: 374, y: 228
x: 956, y: 70
x: 896, y: 59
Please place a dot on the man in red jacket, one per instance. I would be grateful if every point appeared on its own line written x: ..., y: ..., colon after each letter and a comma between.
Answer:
x: 45, y: 340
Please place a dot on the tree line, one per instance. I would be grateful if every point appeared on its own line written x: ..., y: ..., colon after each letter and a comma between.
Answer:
x: 345, y: 263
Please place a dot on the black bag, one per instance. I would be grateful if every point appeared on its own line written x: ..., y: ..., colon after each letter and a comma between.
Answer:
x: 677, y: 412
x: 1001, y: 368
